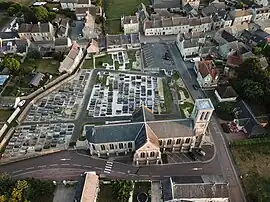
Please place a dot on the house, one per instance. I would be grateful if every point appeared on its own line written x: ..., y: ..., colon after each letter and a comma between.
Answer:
x: 37, y: 79
x: 37, y: 32
x: 94, y: 11
x: 263, y: 3
x: 225, y: 94
x: 72, y: 60
x: 123, y: 42
x: 62, y: 27
x: 88, y: 30
x: 217, y: 11
x: 256, y: 38
x: 61, y: 44
x: 194, y: 3
x: 11, y: 43
x: 189, y: 44
x: 176, y: 24
x: 247, y: 122
x: 260, y: 14
x: 195, y: 188
x: 241, y: 16
x: 189, y: 10
x: 222, y: 37
x: 87, y: 188
x: 73, y: 4
x: 225, y: 49
x: 130, y: 24
x: 207, y: 74
x: 263, y: 25
x: 93, y: 47
x: 146, y: 138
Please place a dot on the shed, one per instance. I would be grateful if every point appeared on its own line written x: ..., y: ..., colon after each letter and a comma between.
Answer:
x: 37, y: 79
x: 3, y: 79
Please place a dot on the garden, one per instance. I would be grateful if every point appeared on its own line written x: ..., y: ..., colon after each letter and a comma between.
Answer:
x: 167, y: 97
x: 25, y: 190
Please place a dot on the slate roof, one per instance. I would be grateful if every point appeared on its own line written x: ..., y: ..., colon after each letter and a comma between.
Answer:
x: 24, y: 28
x: 114, y: 133
x: 40, y: 28
x: 226, y: 92
x: 227, y: 36
x: 37, y: 79
x: 175, y: 128
x: 9, y: 35
x: 248, y: 120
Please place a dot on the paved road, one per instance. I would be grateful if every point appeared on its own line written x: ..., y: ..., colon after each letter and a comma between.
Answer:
x: 223, y: 155
x: 69, y: 164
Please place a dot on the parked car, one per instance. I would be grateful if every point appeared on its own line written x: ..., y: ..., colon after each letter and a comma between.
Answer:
x: 195, y: 87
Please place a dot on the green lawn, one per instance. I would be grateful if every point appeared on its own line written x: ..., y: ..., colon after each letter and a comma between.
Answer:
x: 184, y: 91
x: 142, y: 187
x: 104, y: 59
x: 5, y: 114
x: 253, y: 162
x: 106, y: 194
x: 188, y: 106
x: 88, y: 64
x: 114, y: 26
x: 47, y: 66
x: 118, y: 8
x: 167, y: 97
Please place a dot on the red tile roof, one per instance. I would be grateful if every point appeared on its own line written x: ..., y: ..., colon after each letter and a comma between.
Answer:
x: 207, y: 67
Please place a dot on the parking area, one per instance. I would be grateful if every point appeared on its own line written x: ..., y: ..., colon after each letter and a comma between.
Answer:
x: 157, y: 57
x: 119, y: 94
x: 61, y: 104
x: 30, y: 139
x: 194, y: 156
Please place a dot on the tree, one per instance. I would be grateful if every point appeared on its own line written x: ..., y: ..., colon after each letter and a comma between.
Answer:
x: 257, y: 50
x: 33, y: 54
x: 29, y: 16
x: 5, y: 184
x: 252, y: 90
x: 12, y: 64
x: 122, y: 189
x: 19, y: 191
x: 41, y: 14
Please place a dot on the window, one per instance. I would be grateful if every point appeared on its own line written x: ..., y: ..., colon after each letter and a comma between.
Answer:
x: 178, y: 141
x: 111, y: 146
x: 120, y: 145
x: 206, y: 116
x: 152, y: 154
x: 187, y: 140
x: 202, y: 115
x: 142, y: 155
x: 94, y: 148
x: 102, y: 147
x: 160, y: 142
x: 169, y: 142
x: 130, y: 145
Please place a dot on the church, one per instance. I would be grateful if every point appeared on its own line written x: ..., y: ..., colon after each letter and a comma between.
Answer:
x: 147, y: 137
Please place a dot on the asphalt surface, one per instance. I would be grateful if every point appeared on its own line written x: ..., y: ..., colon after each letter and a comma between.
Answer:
x: 69, y: 164
x: 223, y: 154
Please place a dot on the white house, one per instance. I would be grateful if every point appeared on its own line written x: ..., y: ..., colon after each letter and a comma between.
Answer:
x: 240, y: 16
x: 73, y: 58
x: 175, y: 25
x: 207, y: 75
x: 146, y: 138
x: 194, y: 3
x: 73, y: 4
x: 189, y: 44
x: 263, y: 3
x: 130, y: 24
x: 260, y: 14
x: 37, y: 32
x: 225, y: 94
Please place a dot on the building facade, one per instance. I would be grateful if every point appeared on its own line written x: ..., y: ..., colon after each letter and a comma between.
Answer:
x: 130, y: 24
x: 175, y: 25
x: 260, y: 14
x: 147, y: 138
x: 240, y: 16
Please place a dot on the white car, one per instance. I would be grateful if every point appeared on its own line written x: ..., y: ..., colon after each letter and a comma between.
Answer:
x: 21, y: 103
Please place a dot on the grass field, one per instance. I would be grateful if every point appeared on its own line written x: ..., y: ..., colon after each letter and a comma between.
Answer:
x: 88, y: 64
x: 167, y: 97
x: 188, y: 106
x: 5, y: 114
x: 253, y: 162
x: 118, y: 8
x: 47, y: 66
x: 104, y: 59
